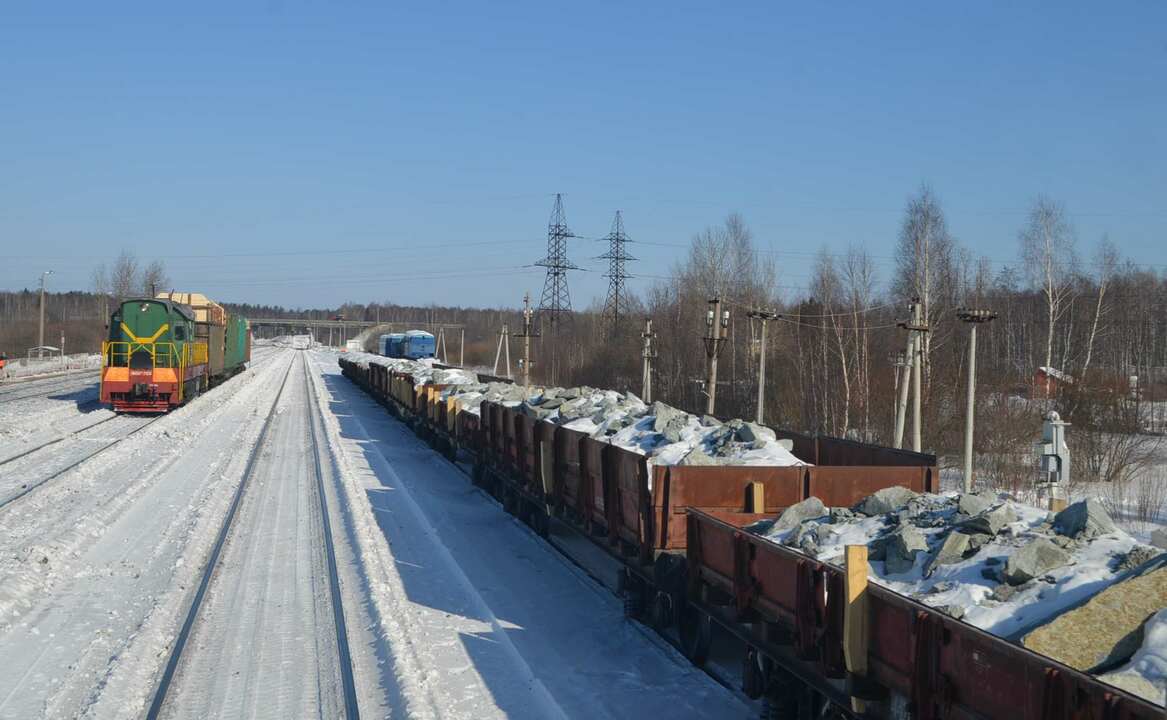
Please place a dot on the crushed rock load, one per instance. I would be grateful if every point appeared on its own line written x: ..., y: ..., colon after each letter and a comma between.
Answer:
x: 1002, y: 566
x: 1145, y: 674
x: 669, y: 436
x: 1109, y: 628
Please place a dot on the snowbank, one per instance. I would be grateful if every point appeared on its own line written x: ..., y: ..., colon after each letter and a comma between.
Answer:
x: 31, y: 367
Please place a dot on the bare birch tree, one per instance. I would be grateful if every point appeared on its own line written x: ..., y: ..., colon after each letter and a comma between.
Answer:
x: 1047, y: 253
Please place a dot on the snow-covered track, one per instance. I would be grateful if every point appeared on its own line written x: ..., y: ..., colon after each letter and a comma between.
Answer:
x: 66, y: 436
x: 180, y: 641
x: 315, y: 427
x: 23, y: 486
x: 43, y: 388
x: 268, y: 611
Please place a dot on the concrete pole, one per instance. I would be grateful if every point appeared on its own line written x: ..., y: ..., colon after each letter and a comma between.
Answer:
x: 905, y: 387
x: 713, y: 340
x: 762, y: 373
x: 498, y: 352
x: 41, y: 334
x: 917, y: 356
x: 462, y: 347
x: 527, y: 344
x: 646, y: 355
x: 969, y: 411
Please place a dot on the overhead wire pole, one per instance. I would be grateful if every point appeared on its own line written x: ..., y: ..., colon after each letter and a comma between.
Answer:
x: 905, y: 387
x: 41, y: 334
x: 526, y: 335
x: 647, y: 354
x: 916, y: 330
x: 616, y: 256
x: 764, y: 316
x: 973, y: 318
x: 503, y: 339
x: 716, y: 328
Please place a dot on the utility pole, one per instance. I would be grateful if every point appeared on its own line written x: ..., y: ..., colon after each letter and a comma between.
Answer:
x: 41, y: 335
x: 917, y: 373
x: 526, y: 336
x: 716, y: 329
x: 915, y: 351
x: 462, y: 347
x: 905, y: 386
x: 504, y: 339
x: 764, y: 316
x: 647, y: 354
x: 898, y: 362
x: 973, y: 318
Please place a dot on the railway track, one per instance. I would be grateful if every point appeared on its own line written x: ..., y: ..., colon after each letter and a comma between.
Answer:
x: 22, y: 488
x: 43, y: 388
x: 170, y: 680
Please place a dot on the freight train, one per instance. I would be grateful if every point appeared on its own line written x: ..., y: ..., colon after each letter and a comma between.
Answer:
x: 413, y: 345
x: 691, y: 569
x: 163, y: 351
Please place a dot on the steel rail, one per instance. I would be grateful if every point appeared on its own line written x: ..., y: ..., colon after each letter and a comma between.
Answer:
x: 348, y: 682
x: 212, y: 561
x: 66, y: 436
x: 61, y: 385
x: 29, y: 487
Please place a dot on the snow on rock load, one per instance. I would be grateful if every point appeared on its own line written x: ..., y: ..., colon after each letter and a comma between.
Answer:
x: 669, y: 436
x: 1006, y: 568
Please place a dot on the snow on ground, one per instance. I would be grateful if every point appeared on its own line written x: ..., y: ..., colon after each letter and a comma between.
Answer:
x: 31, y: 367
x: 95, y: 566
x: 480, y: 617
x: 265, y: 636
x: 454, y: 609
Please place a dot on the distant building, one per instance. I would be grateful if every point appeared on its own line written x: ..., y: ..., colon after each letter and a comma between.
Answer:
x: 1047, y: 381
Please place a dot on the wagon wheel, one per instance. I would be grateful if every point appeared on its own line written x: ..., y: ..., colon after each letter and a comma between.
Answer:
x: 632, y: 590
x: 696, y: 628
x: 662, y: 612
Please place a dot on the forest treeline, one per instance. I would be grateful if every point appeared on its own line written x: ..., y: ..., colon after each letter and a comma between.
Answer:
x: 1069, y: 303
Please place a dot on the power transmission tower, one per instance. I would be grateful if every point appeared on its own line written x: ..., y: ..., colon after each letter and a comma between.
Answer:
x: 648, y: 353
x: 556, y: 298
x: 616, y: 256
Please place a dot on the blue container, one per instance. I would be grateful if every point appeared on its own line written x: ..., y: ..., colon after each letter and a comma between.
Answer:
x: 395, y: 346
x: 419, y: 344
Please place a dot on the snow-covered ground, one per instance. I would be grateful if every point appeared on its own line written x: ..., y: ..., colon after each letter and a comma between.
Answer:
x: 31, y: 367
x: 453, y: 608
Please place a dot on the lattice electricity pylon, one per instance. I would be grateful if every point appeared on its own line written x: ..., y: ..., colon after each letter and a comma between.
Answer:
x: 556, y: 300
x: 616, y: 256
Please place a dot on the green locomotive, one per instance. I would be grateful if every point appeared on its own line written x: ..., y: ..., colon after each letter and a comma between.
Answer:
x: 165, y: 350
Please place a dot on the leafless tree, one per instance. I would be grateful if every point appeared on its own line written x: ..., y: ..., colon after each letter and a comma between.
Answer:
x: 154, y: 278
x: 1105, y: 267
x: 123, y: 278
x: 925, y: 262
x: 1047, y: 253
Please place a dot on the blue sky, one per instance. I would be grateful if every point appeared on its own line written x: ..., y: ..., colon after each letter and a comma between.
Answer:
x: 306, y: 155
